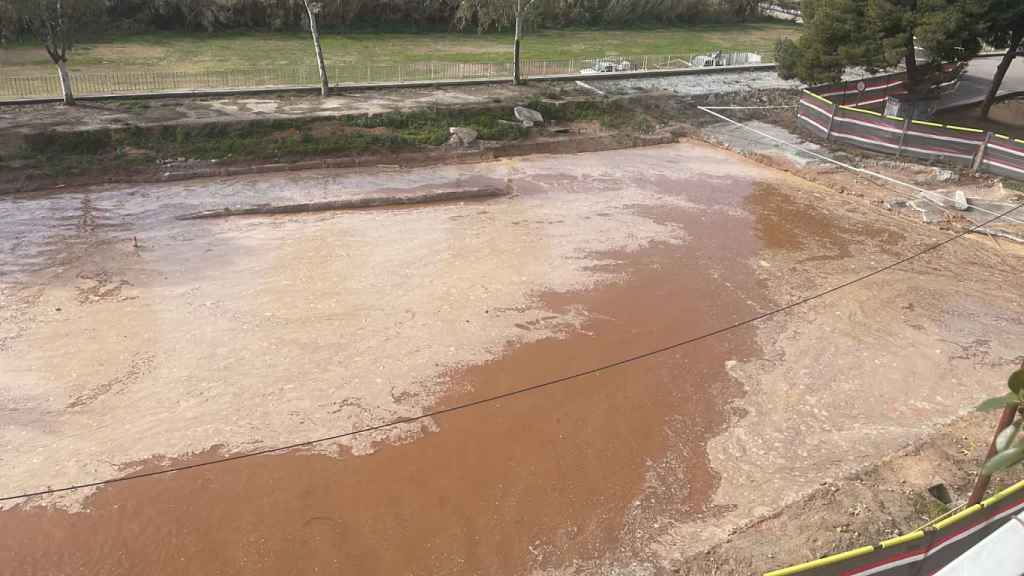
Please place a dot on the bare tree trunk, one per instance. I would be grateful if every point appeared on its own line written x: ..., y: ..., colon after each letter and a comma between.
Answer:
x: 516, y: 80
x: 65, y: 83
x: 312, y: 8
x: 1004, y: 65
x: 911, y: 63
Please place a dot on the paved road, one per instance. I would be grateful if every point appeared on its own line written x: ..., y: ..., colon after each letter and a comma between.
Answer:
x: 978, y: 78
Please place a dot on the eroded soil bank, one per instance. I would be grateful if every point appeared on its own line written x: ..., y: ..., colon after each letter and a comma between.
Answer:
x: 134, y: 340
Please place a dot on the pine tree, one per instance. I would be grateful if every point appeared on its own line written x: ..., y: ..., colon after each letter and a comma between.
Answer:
x: 882, y: 34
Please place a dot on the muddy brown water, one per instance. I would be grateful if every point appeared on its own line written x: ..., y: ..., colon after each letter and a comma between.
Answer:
x: 571, y: 473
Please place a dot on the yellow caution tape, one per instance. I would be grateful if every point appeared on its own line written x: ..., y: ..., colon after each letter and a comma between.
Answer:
x: 851, y: 108
x: 818, y: 96
x: 1002, y: 495
x: 822, y: 562
x: 902, y: 539
x: 964, y: 129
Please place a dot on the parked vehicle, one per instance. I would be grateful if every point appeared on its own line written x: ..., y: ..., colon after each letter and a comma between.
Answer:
x: 719, y: 58
x: 608, y: 65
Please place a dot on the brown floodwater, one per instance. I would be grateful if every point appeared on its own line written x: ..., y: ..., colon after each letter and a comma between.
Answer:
x: 577, y: 472
x: 788, y: 224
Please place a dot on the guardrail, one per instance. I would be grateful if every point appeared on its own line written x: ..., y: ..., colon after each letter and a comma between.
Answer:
x: 155, y: 82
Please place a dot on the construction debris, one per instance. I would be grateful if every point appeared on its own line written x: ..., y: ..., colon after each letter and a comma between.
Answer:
x: 960, y: 201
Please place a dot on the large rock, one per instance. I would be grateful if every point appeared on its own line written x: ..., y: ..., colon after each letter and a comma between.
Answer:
x: 461, y: 136
x: 960, y: 201
x: 528, y: 116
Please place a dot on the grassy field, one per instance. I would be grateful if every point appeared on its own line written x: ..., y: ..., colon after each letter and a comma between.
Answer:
x: 218, y: 52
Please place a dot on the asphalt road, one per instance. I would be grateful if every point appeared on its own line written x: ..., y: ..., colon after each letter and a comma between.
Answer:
x: 975, y: 83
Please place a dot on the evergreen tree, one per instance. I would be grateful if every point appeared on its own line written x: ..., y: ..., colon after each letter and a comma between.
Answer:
x: 882, y: 34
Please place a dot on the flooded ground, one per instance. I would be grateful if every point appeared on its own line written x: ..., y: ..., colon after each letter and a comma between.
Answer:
x: 132, y: 341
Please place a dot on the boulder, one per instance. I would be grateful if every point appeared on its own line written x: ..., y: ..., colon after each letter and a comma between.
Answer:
x: 896, y: 203
x: 461, y: 136
x: 528, y: 116
x: 960, y: 201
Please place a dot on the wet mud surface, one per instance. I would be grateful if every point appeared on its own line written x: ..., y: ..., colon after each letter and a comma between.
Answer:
x: 535, y: 481
x: 596, y: 258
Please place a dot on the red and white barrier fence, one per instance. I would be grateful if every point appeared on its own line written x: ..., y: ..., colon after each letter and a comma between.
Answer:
x: 821, y: 113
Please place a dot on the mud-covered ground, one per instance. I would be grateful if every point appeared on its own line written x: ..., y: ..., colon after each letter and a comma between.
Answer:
x: 130, y: 340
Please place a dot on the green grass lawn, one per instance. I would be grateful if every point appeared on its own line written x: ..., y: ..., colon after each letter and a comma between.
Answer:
x: 229, y: 51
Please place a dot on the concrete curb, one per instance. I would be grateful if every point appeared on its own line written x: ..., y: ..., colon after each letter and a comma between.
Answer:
x: 391, y: 85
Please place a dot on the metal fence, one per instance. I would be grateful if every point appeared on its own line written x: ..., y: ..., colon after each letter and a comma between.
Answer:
x: 85, y: 83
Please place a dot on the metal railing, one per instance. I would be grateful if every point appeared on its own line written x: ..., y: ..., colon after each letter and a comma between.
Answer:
x: 86, y: 83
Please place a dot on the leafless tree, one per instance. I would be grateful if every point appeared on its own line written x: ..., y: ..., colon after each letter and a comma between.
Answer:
x: 521, y: 11
x: 498, y: 13
x: 56, y: 23
x: 313, y: 9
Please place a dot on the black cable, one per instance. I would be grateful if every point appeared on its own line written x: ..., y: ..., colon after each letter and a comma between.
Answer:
x: 526, y: 389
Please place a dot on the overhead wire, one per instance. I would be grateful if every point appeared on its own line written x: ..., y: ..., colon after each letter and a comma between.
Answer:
x: 518, y: 391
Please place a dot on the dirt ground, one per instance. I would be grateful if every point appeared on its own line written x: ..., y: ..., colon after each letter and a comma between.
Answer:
x: 988, y: 195
x: 134, y: 340
x: 881, y: 501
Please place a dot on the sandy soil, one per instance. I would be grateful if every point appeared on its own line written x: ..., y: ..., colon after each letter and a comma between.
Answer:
x: 218, y: 336
x: 809, y: 406
x: 881, y: 501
